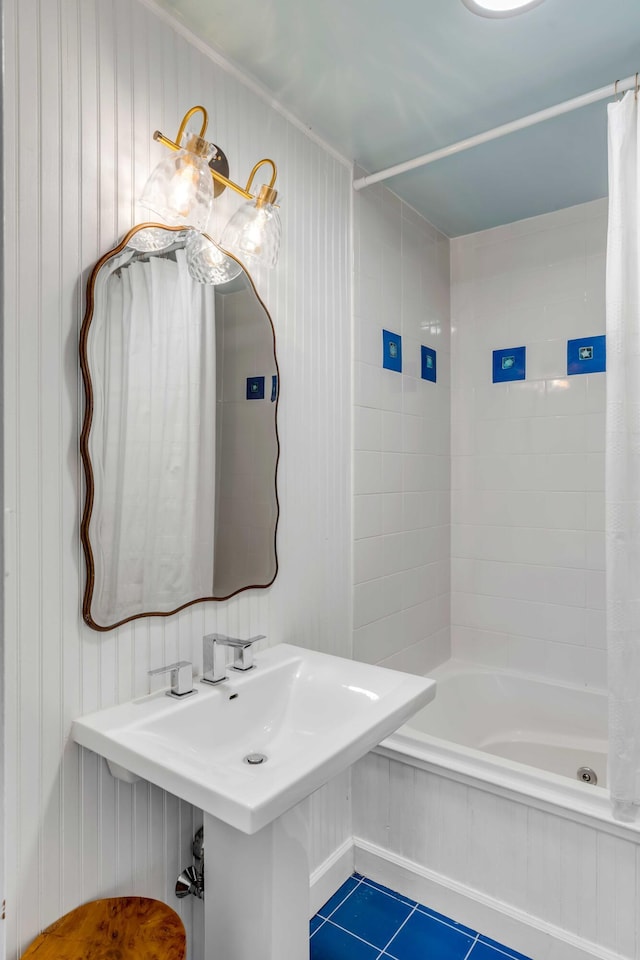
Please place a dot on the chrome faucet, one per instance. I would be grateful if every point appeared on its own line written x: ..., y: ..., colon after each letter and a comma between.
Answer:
x: 181, y: 678
x: 214, y: 661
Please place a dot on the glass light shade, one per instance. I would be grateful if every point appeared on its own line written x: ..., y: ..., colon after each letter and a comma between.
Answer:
x: 153, y: 239
x: 180, y: 190
x: 207, y: 263
x: 253, y: 233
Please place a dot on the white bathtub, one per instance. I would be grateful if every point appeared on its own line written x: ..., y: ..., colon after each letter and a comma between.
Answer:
x: 520, y: 734
x: 473, y: 807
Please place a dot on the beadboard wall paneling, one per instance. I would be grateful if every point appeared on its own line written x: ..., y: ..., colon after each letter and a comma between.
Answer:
x: 86, y: 83
x: 401, y: 438
x: 578, y: 878
x: 528, y: 457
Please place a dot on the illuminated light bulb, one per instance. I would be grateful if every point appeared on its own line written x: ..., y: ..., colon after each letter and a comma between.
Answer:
x: 182, y: 186
x: 180, y: 189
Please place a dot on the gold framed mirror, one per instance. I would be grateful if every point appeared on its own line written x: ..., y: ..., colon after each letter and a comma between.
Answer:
x: 179, y: 442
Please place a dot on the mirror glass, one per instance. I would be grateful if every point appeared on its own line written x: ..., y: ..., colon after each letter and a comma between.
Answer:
x: 180, y: 443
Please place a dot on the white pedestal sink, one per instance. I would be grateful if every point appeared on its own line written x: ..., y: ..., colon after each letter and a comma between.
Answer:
x: 311, y: 716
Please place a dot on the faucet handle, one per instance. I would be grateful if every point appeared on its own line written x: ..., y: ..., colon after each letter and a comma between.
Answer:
x: 213, y: 657
x: 181, y: 678
x: 243, y: 651
x: 226, y: 641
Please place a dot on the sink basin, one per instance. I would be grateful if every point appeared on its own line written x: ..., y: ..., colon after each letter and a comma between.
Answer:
x: 310, y: 714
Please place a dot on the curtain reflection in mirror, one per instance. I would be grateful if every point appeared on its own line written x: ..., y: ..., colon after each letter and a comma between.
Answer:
x: 156, y: 523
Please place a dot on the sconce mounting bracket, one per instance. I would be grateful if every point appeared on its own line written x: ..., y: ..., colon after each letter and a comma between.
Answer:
x: 220, y: 164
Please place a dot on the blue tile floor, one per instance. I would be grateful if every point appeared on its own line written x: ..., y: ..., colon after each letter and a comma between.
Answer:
x: 366, y: 921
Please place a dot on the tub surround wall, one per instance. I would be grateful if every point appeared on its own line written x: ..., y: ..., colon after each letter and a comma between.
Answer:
x: 401, y: 437
x: 87, y: 83
x: 528, y: 456
x: 527, y: 593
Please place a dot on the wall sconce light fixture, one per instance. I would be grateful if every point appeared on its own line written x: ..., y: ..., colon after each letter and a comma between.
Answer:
x: 182, y: 188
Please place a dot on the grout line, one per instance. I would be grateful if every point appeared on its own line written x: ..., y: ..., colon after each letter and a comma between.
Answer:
x: 341, y: 902
x: 320, y: 925
x: 448, y: 922
x: 537, y: 603
x: 390, y: 894
x: 420, y: 907
x: 500, y: 949
x: 472, y: 946
x: 352, y: 934
x: 399, y: 929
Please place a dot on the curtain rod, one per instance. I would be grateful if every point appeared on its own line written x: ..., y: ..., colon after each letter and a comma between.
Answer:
x: 603, y: 93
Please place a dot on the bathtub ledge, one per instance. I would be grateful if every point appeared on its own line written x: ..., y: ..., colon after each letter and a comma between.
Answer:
x: 514, y: 781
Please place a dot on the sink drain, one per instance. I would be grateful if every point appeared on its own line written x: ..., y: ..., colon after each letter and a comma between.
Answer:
x: 254, y: 759
x: 587, y: 775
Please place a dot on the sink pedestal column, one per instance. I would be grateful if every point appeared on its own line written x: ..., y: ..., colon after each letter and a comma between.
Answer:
x: 257, y: 890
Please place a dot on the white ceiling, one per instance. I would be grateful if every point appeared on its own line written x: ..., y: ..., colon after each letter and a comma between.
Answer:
x: 387, y: 80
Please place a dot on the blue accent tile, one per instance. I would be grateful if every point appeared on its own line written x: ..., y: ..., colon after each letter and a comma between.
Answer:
x: 331, y: 943
x: 372, y: 915
x: 314, y: 923
x: 587, y: 355
x: 274, y: 388
x: 422, y: 937
x: 347, y: 887
x: 452, y: 923
x: 429, y: 363
x: 389, y: 892
x: 391, y: 351
x: 486, y: 949
x: 510, y: 364
x: 255, y: 388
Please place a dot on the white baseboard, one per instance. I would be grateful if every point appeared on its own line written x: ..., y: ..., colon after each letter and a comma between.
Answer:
x: 495, y: 919
x: 331, y: 874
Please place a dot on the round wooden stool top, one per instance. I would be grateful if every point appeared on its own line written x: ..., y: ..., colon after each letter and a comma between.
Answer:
x: 120, y: 928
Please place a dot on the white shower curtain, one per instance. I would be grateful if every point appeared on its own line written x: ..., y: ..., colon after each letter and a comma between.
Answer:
x: 623, y: 457
x: 155, y: 513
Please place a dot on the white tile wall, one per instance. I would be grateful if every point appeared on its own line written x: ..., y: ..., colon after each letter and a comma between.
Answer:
x: 86, y: 83
x: 401, y: 438
x: 528, y: 457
